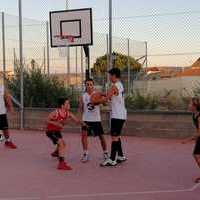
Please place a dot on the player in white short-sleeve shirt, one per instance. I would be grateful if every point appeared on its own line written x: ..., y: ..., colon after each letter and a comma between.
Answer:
x: 118, y: 118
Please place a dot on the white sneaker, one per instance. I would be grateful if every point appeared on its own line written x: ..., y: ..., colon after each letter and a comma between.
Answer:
x: 85, y: 158
x: 106, y: 155
x: 108, y: 162
x: 121, y: 159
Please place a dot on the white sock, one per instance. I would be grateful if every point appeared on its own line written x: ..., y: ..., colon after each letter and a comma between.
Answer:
x: 86, y: 152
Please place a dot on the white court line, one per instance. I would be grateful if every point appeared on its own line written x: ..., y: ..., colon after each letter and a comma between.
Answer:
x: 107, y: 194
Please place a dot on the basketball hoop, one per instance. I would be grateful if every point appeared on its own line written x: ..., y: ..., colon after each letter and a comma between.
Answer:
x: 69, y: 39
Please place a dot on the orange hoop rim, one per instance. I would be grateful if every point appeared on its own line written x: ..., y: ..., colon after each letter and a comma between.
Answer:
x: 70, y: 38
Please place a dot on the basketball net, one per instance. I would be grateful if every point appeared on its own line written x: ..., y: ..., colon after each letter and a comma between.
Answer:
x: 63, y: 51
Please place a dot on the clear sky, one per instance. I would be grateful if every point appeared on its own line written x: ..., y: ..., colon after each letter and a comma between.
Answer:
x: 164, y: 34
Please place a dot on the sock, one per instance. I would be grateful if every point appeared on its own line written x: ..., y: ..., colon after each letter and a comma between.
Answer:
x: 86, y: 152
x: 105, y: 152
x: 119, y: 148
x: 113, y: 151
x: 61, y: 159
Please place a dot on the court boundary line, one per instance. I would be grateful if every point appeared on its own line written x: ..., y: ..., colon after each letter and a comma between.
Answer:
x: 192, y: 189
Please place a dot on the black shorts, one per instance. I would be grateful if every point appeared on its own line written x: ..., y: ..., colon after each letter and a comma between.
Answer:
x: 54, y: 136
x: 94, y: 128
x: 3, y: 122
x: 116, y: 126
x: 196, y: 121
x: 197, y: 147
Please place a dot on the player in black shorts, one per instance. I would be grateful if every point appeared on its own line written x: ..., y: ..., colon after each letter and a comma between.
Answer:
x: 92, y: 117
x: 194, y: 106
x: 5, y: 105
x: 118, y: 118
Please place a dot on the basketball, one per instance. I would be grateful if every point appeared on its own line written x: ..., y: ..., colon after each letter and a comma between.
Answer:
x: 98, y: 98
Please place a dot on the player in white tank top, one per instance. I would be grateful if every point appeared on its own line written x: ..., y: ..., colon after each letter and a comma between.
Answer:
x: 118, y: 117
x: 5, y: 103
x: 91, y: 113
x: 92, y: 117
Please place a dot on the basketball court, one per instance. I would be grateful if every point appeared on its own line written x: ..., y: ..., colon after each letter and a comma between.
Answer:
x: 156, y: 169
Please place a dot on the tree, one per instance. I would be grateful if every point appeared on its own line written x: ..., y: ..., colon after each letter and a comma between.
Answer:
x: 121, y: 61
x: 40, y: 90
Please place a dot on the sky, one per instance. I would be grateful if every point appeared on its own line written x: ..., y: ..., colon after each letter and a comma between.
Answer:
x: 167, y: 34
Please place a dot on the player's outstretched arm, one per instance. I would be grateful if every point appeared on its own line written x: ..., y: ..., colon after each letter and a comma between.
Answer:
x: 76, y: 119
x: 187, y: 140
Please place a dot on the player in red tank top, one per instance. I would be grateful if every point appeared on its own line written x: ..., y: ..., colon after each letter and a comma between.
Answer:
x: 55, y: 123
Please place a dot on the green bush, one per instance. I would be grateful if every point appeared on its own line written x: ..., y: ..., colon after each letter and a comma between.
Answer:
x: 142, y: 102
x: 40, y: 90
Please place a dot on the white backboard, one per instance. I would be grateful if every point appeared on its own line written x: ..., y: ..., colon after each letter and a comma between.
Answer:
x: 76, y: 23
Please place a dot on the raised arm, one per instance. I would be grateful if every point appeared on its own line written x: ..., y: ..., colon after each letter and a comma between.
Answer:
x: 112, y: 92
x: 8, y: 101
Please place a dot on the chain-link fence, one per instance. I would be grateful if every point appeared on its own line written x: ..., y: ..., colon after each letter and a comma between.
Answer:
x: 157, y: 52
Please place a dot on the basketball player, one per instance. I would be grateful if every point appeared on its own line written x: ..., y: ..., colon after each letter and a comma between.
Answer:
x: 91, y: 116
x: 55, y: 123
x: 194, y: 107
x: 118, y: 118
x: 5, y: 105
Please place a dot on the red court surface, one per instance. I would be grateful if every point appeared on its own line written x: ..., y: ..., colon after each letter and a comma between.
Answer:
x: 157, y: 169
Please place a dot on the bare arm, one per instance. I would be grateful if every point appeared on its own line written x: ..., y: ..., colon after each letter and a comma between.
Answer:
x: 112, y: 92
x: 191, y: 107
x: 76, y: 119
x: 80, y: 107
x: 8, y: 101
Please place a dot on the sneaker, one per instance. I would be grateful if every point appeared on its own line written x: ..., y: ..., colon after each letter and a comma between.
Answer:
x: 85, y: 158
x: 197, y: 180
x: 63, y: 166
x: 10, y: 145
x: 121, y: 159
x: 55, y: 154
x: 106, y: 156
x: 108, y: 162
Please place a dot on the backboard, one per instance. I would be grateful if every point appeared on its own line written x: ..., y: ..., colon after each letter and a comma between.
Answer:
x: 71, y: 23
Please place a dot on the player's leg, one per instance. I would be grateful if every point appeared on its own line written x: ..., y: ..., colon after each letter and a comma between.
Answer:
x: 5, y: 130
x: 84, y: 141
x: 117, y: 155
x: 104, y: 146
x: 97, y: 129
x: 56, y: 138
x: 62, y: 165
x: 196, y: 155
x: 197, y: 159
x: 114, y: 145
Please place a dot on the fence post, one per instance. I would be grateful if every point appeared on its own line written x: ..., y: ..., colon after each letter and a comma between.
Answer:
x: 48, y: 57
x: 108, y: 61
x: 3, y: 46
x: 128, y: 65
x: 110, y: 34
x: 21, y: 65
x: 44, y: 61
x: 82, y: 70
x: 76, y: 63
x: 146, y: 54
